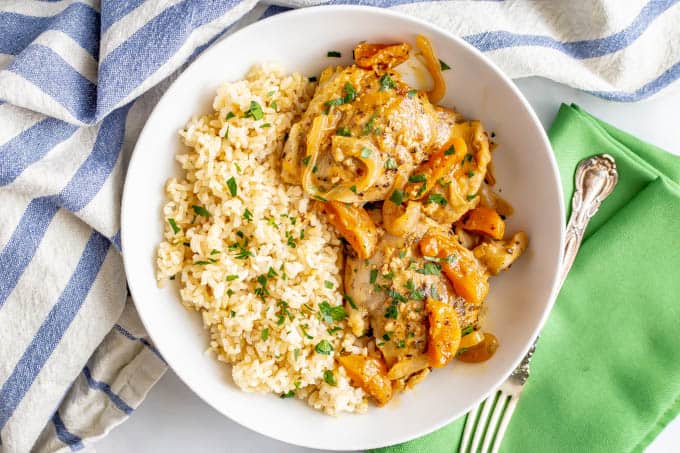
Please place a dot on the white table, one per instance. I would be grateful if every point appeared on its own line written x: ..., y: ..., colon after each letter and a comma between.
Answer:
x: 173, y: 419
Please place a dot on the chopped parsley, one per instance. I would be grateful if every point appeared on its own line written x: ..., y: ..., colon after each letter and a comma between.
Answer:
x: 232, y: 277
x: 328, y: 284
x: 471, y: 197
x: 414, y: 294
x: 395, y: 295
x: 390, y: 164
x: 296, y: 353
x: 392, y: 312
x: 214, y: 252
x: 200, y: 210
x: 397, y: 197
x: 283, y: 312
x: 388, y: 276
x: 329, y: 377
x: 324, y: 347
x: 462, y: 351
x: 291, y: 240
x: 374, y: 275
x: 412, y: 93
x: 430, y: 269
x: 288, y: 394
x: 334, y: 330
x: 255, y: 111
x: 304, y: 332
x: 343, y: 131
x: 443, y: 65
x: 241, y: 252
x: 333, y: 54
x: 468, y: 157
x: 470, y: 174
x: 467, y: 331
x: 305, y: 160
x: 350, y: 301
x: 266, y: 125
x: 386, y: 82
x: 262, y: 290
x: 271, y: 273
x: 232, y: 313
x: 203, y: 263
x: 233, y: 188
x: 230, y: 115
x: 444, y: 183
x: 320, y: 198
x: 437, y: 198
x: 332, y: 102
x: 450, y: 151
x: 238, y: 167
x: 368, y: 127
x: 365, y: 152
x: 353, y: 188
x: 173, y: 225
x: 302, y: 234
x: 401, y: 344
x: 350, y: 93
x: 265, y: 334
x: 330, y: 313
x: 386, y: 337
x: 417, y: 178
x: 273, y: 105
x: 248, y: 215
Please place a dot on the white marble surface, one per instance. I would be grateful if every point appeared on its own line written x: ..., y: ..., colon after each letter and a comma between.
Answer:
x: 173, y: 419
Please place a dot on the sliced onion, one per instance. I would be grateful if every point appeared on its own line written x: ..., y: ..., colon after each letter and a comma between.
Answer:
x: 407, y: 367
x: 472, y: 339
x: 353, y: 147
x: 433, y: 67
x: 372, y: 160
x: 397, y: 220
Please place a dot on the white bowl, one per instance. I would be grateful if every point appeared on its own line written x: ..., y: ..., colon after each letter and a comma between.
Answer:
x: 518, y: 303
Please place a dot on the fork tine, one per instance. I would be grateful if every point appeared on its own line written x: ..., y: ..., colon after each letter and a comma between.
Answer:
x: 507, y: 415
x: 495, y: 416
x: 483, y: 418
x: 467, y: 432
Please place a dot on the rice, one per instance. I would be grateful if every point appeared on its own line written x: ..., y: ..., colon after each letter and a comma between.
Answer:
x: 251, y: 255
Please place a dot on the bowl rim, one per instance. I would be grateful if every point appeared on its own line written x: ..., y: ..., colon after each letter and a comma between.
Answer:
x: 359, y: 9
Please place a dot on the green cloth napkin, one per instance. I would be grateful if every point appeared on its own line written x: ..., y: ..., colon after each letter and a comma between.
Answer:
x: 606, y: 373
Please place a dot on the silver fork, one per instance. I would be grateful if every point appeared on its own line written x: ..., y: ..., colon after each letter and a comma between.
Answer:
x: 486, y: 424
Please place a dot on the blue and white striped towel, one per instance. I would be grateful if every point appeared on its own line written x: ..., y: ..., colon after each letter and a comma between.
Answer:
x: 77, y: 81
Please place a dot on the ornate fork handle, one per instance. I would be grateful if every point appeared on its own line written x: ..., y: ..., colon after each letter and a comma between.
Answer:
x: 594, y: 181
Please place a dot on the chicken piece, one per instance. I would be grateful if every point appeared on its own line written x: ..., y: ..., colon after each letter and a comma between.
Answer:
x: 389, y: 291
x: 461, y: 187
x: 498, y: 256
x: 380, y: 118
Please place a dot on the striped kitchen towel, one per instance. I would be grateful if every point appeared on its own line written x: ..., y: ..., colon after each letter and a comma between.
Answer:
x: 77, y: 81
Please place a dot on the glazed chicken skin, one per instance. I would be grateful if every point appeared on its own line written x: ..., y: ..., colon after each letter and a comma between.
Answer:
x: 360, y: 130
x: 407, y: 185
